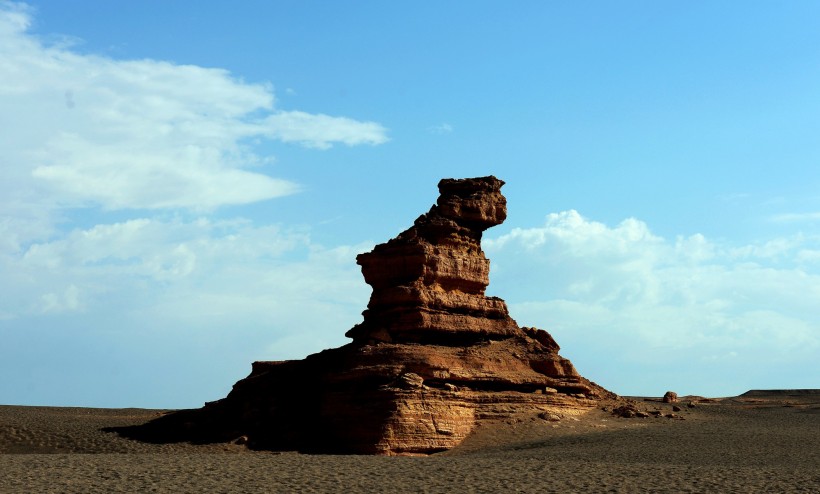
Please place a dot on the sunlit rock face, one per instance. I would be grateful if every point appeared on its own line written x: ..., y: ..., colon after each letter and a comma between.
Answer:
x: 428, y: 282
x: 433, y: 357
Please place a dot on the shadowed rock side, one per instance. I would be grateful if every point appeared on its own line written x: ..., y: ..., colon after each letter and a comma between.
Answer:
x: 433, y: 356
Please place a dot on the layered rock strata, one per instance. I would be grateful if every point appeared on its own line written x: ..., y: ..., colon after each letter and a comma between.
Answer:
x: 433, y: 357
x: 428, y: 283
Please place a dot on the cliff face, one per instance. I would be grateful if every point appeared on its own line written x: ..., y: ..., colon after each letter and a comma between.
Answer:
x: 432, y: 358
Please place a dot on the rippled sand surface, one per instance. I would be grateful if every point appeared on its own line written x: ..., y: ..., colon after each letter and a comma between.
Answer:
x: 760, y: 443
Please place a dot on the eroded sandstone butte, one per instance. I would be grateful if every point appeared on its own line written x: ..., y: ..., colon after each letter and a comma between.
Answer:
x: 433, y: 357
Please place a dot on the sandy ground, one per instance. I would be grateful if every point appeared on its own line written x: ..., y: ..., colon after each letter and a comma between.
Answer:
x: 759, y: 443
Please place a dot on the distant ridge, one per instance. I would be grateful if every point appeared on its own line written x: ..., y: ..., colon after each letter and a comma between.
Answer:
x: 781, y: 392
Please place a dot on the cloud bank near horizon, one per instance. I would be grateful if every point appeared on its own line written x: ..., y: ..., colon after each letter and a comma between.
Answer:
x: 632, y: 299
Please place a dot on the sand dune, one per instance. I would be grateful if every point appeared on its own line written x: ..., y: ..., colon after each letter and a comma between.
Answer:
x: 762, y: 441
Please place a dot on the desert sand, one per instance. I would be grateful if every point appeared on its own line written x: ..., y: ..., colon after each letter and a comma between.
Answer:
x: 757, y: 442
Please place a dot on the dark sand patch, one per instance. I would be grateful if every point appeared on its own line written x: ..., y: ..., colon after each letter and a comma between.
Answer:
x: 761, y: 443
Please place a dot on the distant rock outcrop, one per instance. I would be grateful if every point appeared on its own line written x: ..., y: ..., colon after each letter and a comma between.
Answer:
x: 433, y: 357
x: 670, y: 397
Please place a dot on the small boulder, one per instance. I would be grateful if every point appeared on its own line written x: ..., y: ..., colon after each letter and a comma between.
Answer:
x: 410, y: 380
x: 670, y: 397
x: 628, y: 411
x: 549, y: 417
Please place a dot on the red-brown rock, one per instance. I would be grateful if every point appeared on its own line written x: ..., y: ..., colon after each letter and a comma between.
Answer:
x: 428, y: 283
x: 670, y: 397
x: 433, y: 356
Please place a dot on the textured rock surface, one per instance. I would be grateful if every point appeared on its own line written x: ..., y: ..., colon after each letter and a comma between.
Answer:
x: 433, y: 356
x: 428, y: 283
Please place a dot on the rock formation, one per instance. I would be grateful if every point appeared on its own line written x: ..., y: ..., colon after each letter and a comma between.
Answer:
x: 433, y: 357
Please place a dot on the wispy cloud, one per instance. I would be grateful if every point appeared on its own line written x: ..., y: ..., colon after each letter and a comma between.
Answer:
x: 795, y: 217
x: 441, y: 129
x: 322, y: 131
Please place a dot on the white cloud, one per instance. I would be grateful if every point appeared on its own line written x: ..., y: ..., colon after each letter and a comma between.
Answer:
x: 87, y: 130
x: 208, y: 273
x: 178, y: 307
x: 158, y: 146
x: 321, y: 131
x: 67, y: 301
x: 652, y: 304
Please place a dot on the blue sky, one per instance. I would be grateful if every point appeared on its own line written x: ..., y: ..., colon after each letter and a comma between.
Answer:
x: 184, y: 188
